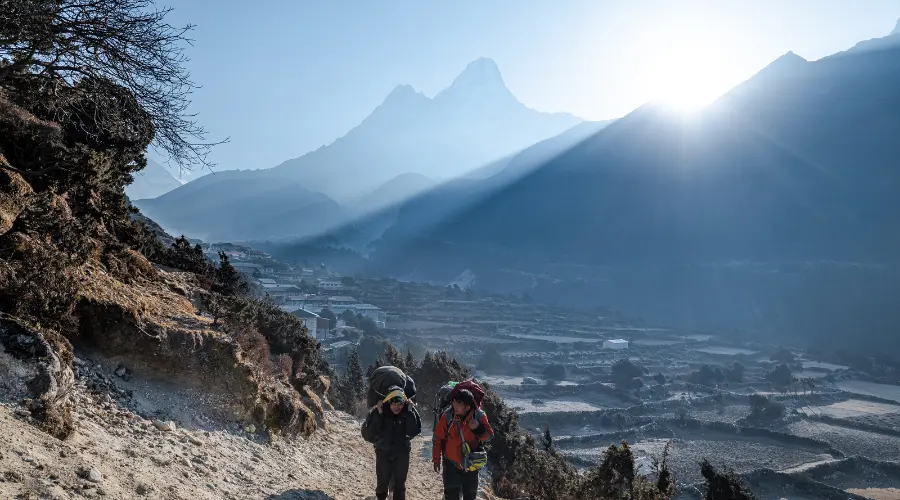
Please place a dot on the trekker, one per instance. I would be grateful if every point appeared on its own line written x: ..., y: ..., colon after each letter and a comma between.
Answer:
x: 458, y: 439
x: 390, y: 425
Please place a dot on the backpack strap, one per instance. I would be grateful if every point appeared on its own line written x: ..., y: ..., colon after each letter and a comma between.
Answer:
x: 449, y: 417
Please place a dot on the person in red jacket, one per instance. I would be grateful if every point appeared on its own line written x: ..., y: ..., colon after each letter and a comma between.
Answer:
x: 461, y: 431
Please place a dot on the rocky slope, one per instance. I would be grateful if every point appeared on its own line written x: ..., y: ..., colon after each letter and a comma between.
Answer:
x: 120, y: 450
x: 76, y: 277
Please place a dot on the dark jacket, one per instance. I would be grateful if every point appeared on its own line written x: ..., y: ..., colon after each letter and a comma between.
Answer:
x: 391, y: 433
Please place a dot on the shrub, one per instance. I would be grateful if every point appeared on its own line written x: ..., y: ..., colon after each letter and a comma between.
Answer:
x: 735, y: 373
x: 762, y: 408
x: 38, y: 285
x: 181, y: 255
x: 554, y: 372
x: 724, y: 484
x: 707, y: 375
x: 540, y: 474
x: 251, y: 321
x: 624, y: 371
x: 780, y: 378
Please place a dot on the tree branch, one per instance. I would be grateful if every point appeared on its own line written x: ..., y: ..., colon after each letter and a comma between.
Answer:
x: 29, y: 173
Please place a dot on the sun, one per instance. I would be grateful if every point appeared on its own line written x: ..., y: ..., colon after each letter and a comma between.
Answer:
x: 689, y: 76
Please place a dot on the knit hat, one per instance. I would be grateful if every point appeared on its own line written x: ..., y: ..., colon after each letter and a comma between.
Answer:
x: 465, y: 396
x: 394, y: 392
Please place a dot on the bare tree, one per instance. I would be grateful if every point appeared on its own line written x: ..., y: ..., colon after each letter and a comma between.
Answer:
x: 126, y: 42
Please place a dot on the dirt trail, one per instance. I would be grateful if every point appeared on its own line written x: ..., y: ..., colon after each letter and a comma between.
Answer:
x: 116, y: 453
x: 877, y: 493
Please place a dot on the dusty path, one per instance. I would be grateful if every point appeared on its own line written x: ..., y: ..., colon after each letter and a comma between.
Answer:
x: 117, y: 454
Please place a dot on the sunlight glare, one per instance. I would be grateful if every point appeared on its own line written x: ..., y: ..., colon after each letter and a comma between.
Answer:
x: 689, y: 76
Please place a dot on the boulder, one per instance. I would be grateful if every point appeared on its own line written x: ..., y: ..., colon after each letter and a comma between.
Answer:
x: 37, y: 367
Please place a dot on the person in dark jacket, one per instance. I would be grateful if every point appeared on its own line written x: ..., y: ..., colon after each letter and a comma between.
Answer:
x: 390, y: 425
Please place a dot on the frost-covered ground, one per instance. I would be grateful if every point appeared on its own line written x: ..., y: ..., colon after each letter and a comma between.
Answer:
x: 555, y: 406
x: 883, y: 391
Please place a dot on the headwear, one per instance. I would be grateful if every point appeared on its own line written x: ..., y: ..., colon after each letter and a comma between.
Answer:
x: 394, y: 392
x: 465, y: 396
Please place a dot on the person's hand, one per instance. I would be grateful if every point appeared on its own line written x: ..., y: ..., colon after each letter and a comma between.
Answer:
x: 437, y: 466
x: 380, y: 406
x: 473, y: 423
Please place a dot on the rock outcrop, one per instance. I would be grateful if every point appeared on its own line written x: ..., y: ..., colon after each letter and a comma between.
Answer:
x: 38, y: 371
x: 74, y: 270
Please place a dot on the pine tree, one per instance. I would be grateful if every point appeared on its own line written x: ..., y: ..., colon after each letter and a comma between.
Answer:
x: 228, y: 281
x: 393, y: 357
x: 547, y: 440
x: 410, y: 361
x: 353, y: 377
x: 378, y: 363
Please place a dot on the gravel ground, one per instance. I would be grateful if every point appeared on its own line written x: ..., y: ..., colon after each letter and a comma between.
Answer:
x: 164, y: 442
x: 117, y: 455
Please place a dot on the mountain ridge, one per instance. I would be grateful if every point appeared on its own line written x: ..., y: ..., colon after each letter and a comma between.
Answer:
x: 153, y: 181
x: 448, y: 136
x: 770, y: 172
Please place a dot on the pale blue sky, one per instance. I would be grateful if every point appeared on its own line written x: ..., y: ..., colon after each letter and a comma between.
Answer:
x: 282, y: 77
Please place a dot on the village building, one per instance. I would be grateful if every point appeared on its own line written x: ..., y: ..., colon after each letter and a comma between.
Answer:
x: 615, y: 344
x: 310, y: 320
x: 372, y: 312
x: 330, y: 285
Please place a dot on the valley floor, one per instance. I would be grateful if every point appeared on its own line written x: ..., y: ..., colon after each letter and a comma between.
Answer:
x: 118, y: 454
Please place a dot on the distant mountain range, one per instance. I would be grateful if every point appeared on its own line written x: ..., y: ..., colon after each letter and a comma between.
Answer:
x: 775, y: 210
x: 471, y: 123
x: 154, y: 180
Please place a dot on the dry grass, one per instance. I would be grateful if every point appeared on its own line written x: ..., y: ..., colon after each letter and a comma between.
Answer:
x: 13, y: 192
x: 148, y: 300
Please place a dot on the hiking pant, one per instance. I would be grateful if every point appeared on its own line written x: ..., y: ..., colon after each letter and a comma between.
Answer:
x: 458, y: 482
x: 388, y: 468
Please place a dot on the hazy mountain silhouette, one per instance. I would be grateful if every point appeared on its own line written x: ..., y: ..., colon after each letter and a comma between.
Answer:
x: 475, y: 121
x: 799, y: 164
x: 392, y: 192
x: 472, y: 122
x: 419, y: 203
x: 892, y: 40
x: 236, y: 205
x: 154, y: 180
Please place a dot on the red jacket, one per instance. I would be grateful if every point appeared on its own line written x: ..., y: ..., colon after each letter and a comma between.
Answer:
x: 447, y: 442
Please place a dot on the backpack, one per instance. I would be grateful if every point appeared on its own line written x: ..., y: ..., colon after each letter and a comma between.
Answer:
x: 445, y: 395
x: 385, y: 377
x: 366, y: 435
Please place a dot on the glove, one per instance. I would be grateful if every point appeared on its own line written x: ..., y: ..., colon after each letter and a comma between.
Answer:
x: 437, y: 466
